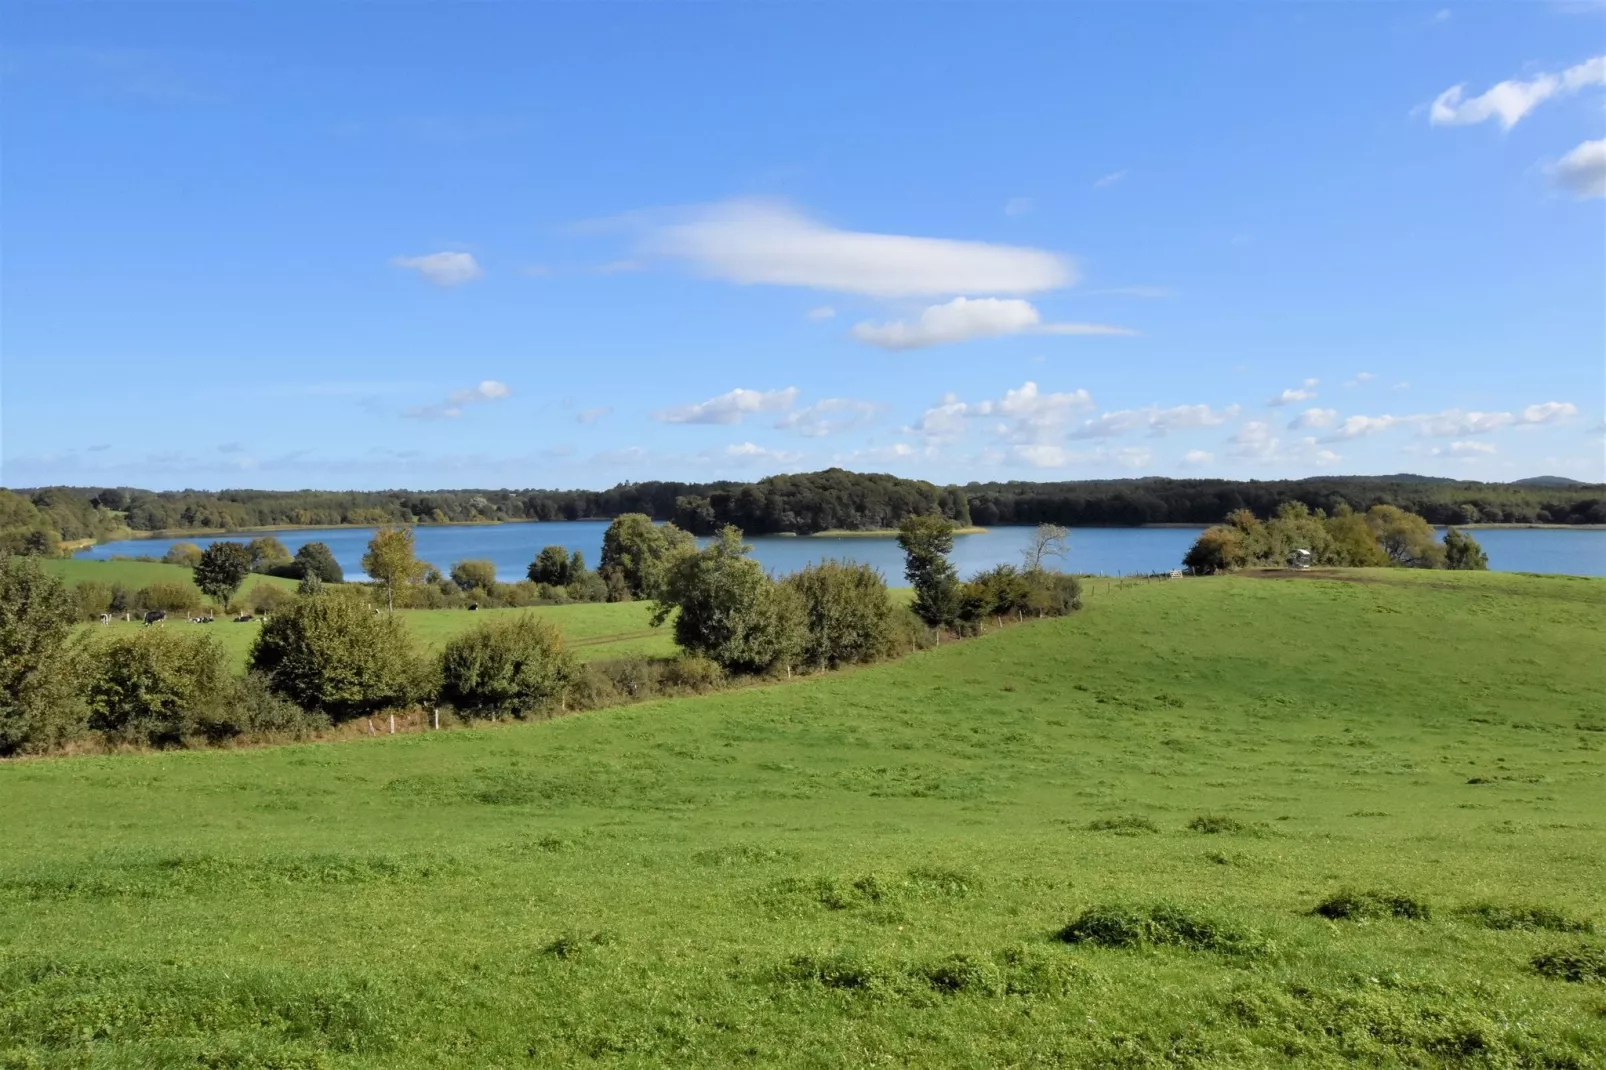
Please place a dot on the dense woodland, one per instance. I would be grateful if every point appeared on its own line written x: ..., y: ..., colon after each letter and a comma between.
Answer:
x: 817, y: 501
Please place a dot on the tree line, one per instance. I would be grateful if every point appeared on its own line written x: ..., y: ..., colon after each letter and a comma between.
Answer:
x: 335, y: 652
x: 37, y: 521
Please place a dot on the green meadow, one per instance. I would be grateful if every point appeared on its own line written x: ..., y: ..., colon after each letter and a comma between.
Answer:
x: 1100, y: 840
x: 136, y: 574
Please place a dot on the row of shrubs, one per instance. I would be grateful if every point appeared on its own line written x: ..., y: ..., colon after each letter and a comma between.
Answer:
x: 95, y: 598
x: 325, y: 655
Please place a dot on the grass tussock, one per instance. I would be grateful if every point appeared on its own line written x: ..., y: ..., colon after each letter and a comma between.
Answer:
x: 1018, y: 970
x: 1162, y: 925
x: 1581, y: 963
x: 1372, y: 905
x: 1524, y: 918
x: 1125, y: 825
x: 1222, y: 825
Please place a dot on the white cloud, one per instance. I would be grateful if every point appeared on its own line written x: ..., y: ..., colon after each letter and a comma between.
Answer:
x: 829, y: 416
x: 1018, y: 205
x: 1548, y: 412
x: 442, y: 269
x: 1043, y: 455
x: 729, y: 408
x: 1158, y: 421
x: 1401, y: 385
x: 1464, y: 449
x: 772, y: 243
x: 1510, y: 100
x: 1582, y: 172
x: 1024, y: 414
x: 452, y: 407
x: 1197, y: 458
x: 1314, y: 418
x: 591, y: 416
x: 824, y: 312
x: 1361, y: 378
x: 748, y: 453
x: 965, y: 318
x: 1294, y: 395
x: 1256, y: 442
x: 1362, y: 426
x: 1111, y: 179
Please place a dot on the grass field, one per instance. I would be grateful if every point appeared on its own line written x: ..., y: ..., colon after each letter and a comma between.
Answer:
x: 870, y: 868
x: 136, y: 574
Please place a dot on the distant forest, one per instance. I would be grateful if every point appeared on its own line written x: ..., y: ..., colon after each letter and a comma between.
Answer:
x: 817, y: 501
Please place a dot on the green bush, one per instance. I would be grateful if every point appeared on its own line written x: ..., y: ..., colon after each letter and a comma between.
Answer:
x: 690, y: 673
x: 158, y: 686
x: 1159, y: 925
x: 168, y: 597
x: 94, y: 598
x: 254, y: 711
x: 729, y: 610
x: 41, y: 665
x: 183, y: 553
x: 332, y: 652
x: 266, y: 598
x: 1364, y: 906
x: 469, y: 575
x: 1462, y: 552
x: 316, y: 559
x: 847, y: 616
x: 1581, y: 963
x: 513, y: 666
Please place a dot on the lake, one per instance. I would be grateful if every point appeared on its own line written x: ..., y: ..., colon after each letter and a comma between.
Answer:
x: 1110, y: 551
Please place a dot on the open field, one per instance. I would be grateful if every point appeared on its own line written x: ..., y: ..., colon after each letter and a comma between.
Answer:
x: 136, y: 574
x: 870, y: 868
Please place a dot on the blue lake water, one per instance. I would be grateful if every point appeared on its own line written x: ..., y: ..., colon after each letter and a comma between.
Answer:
x: 1111, y: 551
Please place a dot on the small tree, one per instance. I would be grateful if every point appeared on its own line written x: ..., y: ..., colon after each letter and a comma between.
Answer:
x: 311, y: 585
x: 1461, y: 551
x: 471, y: 574
x: 1406, y: 538
x: 1048, y: 542
x: 268, y: 598
x: 157, y: 687
x: 332, y: 653
x: 554, y: 566
x: 729, y: 610
x: 222, y: 568
x: 926, y: 542
x: 40, y: 664
x: 511, y: 666
x: 183, y: 553
x: 847, y: 615
x: 641, y: 553
x: 268, y: 554
x: 1218, y: 549
x: 391, y: 562
x: 315, y: 558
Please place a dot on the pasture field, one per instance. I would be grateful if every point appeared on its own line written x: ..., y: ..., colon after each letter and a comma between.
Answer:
x: 1092, y: 841
x: 136, y: 574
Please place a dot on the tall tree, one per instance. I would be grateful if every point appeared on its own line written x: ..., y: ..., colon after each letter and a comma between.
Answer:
x: 729, y: 610
x: 39, y: 661
x: 222, y: 568
x: 480, y: 573
x: 554, y: 566
x: 640, y: 552
x: 1461, y: 551
x: 315, y: 558
x: 392, y: 562
x: 267, y: 553
x: 927, y: 541
x: 1049, y: 542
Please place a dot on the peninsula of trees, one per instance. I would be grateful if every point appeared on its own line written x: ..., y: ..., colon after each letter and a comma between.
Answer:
x: 802, y: 504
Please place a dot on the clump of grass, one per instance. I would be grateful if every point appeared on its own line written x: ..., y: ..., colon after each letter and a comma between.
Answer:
x: 1162, y: 925
x: 740, y: 854
x: 572, y: 945
x: 847, y: 970
x: 1219, y: 824
x: 1127, y: 825
x: 1018, y: 970
x: 960, y: 972
x: 1347, y: 905
x: 1526, y: 918
x: 1580, y: 963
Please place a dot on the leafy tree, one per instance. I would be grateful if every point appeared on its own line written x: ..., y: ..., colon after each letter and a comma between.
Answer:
x: 183, y: 553
x: 1052, y: 594
x: 392, y: 563
x: 1405, y: 537
x: 266, y: 598
x: 847, y: 615
x: 998, y: 592
x: 315, y: 558
x: 555, y: 566
x: 1351, y: 543
x: 511, y: 666
x: 926, y: 543
x: 268, y: 554
x: 94, y: 598
x: 468, y: 575
x: 641, y: 553
x: 40, y: 664
x: 1218, y: 549
x: 222, y: 568
x: 1461, y: 551
x: 1047, y: 542
x: 311, y: 585
x: 157, y: 686
x: 729, y: 610
x: 334, y: 653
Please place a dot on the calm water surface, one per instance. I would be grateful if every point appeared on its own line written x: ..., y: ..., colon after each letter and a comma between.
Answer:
x: 1112, y: 551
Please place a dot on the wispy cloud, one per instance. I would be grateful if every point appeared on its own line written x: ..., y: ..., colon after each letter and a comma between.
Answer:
x: 1294, y: 395
x: 1197, y: 458
x: 1582, y: 172
x: 823, y: 312
x: 1114, y: 178
x: 1361, y: 378
x: 1465, y: 450
x: 591, y: 416
x: 442, y: 269
x: 1156, y: 420
x: 1025, y: 413
x: 730, y: 407
x: 772, y: 243
x: 452, y: 407
x: 829, y: 416
x: 1509, y: 101
x: 1018, y: 206
x: 965, y: 318
x: 1314, y: 418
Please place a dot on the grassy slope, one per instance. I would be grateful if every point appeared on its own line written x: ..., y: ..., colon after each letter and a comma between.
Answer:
x: 135, y: 574
x: 401, y: 902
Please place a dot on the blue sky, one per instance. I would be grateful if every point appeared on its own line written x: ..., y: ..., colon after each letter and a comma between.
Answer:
x: 374, y: 245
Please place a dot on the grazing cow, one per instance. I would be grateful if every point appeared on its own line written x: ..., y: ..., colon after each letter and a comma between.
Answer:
x: 105, y: 618
x: 155, y: 616
x: 244, y: 618
x: 472, y: 606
